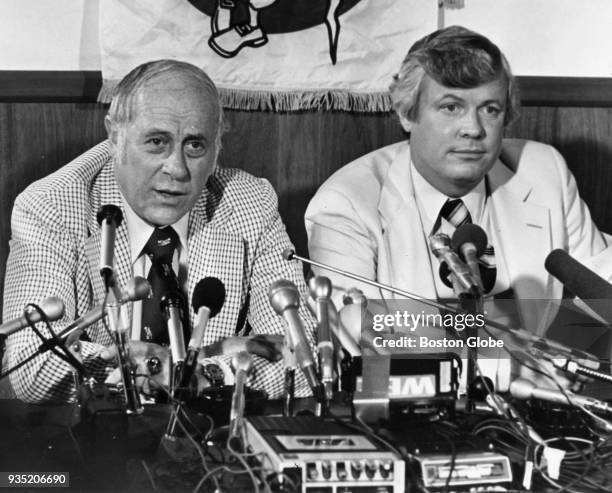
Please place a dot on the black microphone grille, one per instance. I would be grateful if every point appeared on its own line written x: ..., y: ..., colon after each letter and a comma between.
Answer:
x: 110, y: 211
x: 578, y: 279
x: 288, y: 254
x: 470, y: 233
x: 209, y: 292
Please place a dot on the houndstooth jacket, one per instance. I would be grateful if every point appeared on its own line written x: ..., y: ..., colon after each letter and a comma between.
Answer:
x: 235, y: 233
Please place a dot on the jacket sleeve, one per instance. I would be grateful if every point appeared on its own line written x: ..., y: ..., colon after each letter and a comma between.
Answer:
x: 584, y: 241
x: 268, y: 266
x: 340, y: 236
x: 42, y: 262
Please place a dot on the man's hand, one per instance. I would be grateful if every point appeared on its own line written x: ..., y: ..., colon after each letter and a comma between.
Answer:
x: 268, y: 346
x: 141, y: 353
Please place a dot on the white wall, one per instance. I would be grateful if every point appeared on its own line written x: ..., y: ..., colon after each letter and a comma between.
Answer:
x: 545, y: 37
x: 539, y: 37
x: 49, y: 35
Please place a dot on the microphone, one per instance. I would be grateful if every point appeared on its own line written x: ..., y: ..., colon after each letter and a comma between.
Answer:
x: 207, y: 301
x: 470, y: 241
x: 109, y: 218
x: 441, y: 247
x: 171, y: 305
x: 137, y: 288
x: 285, y: 300
x: 52, y: 307
x: 594, y: 290
x: 242, y: 363
x: 320, y: 291
x: 524, y: 389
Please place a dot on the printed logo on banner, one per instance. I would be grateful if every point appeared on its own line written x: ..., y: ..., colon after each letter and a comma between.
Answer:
x: 236, y: 24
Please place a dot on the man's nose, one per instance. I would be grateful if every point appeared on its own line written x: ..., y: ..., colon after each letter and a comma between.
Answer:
x: 175, y: 165
x: 471, y: 125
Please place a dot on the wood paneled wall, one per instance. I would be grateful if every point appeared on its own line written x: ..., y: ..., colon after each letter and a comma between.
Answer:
x: 296, y: 152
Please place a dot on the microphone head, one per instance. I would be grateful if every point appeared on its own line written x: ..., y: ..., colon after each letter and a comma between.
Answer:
x: 320, y: 288
x: 439, y: 241
x: 209, y: 292
x: 110, y: 212
x: 137, y: 288
x: 522, y: 389
x: 283, y: 294
x: 556, y: 260
x: 242, y: 361
x: 53, y: 308
x: 581, y: 281
x: 171, y: 298
x: 288, y: 254
x: 470, y: 233
x: 354, y: 296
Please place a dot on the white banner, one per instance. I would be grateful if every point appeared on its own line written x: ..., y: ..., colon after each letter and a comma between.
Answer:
x: 280, y: 55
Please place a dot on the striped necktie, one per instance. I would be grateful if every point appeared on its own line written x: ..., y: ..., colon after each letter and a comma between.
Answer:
x: 456, y: 213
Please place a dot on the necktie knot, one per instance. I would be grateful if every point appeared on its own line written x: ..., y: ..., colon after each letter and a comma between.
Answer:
x: 161, y: 245
x: 455, y: 212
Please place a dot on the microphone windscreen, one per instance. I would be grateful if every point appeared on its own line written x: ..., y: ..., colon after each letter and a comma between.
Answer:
x: 209, y: 292
x: 288, y: 254
x: 110, y: 211
x: 581, y: 281
x: 470, y: 233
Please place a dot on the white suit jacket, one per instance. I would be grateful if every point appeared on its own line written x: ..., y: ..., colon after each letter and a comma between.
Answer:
x: 365, y: 219
x: 235, y: 234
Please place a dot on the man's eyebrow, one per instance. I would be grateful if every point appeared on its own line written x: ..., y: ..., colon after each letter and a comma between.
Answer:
x: 197, y: 136
x: 156, y: 131
x: 450, y: 95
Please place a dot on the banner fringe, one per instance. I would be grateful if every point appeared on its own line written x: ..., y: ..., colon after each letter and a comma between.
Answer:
x: 289, y: 101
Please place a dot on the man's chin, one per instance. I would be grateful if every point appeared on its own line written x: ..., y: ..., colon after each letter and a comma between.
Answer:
x: 164, y: 217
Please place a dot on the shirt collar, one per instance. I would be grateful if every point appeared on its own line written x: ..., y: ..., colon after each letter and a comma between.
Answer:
x: 139, y: 231
x: 431, y: 200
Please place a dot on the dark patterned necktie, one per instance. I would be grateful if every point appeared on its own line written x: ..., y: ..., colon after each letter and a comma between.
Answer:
x: 160, y: 249
x: 456, y: 213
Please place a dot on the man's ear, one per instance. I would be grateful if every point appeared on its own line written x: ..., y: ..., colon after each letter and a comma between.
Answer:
x: 405, y: 123
x: 111, y: 130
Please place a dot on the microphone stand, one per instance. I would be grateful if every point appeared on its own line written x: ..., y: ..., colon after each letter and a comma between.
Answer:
x: 289, y: 382
x: 52, y: 343
x: 471, y: 301
x: 118, y: 326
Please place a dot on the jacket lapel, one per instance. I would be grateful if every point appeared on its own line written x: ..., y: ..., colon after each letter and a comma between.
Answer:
x: 522, y: 230
x: 215, y: 251
x: 408, y: 266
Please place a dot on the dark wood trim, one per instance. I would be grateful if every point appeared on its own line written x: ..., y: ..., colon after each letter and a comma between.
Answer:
x: 83, y: 86
x: 566, y: 91
x: 49, y: 86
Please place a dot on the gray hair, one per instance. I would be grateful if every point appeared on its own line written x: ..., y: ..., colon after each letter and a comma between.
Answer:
x: 453, y: 57
x: 122, y: 109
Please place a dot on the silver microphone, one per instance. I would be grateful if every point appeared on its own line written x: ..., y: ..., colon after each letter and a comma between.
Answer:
x: 242, y: 363
x: 137, y: 288
x: 525, y: 389
x: 171, y: 305
x: 440, y: 245
x: 320, y: 291
x: 285, y: 299
x: 52, y: 307
x: 109, y: 218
